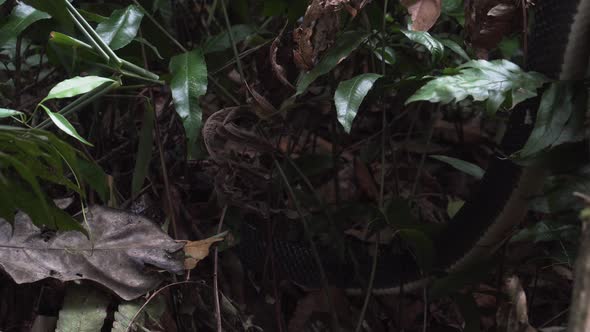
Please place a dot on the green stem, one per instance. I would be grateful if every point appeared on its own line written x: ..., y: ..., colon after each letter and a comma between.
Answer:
x: 88, y: 28
x: 95, y: 46
x: 232, y: 40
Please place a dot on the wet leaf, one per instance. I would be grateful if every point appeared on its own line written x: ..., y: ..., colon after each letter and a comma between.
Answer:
x: 350, y: 94
x: 462, y: 165
x: 346, y: 44
x: 121, y: 27
x: 453, y: 46
x: 62, y: 123
x: 188, y: 83
x: 76, y: 86
x: 493, y: 81
x: 558, y: 106
x: 129, y: 310
x: 5, y: 113
x: 435, y: 47
x: 120, y: 246
x: 21, y: 17
x: 62, y: 39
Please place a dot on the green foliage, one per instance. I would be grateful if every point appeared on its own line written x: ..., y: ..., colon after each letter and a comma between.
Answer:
x: 144, y: 151
x: 84, y: 310
x: 188, y: 83
x: 22, y: 17
x: 493, y: 81
x: 28, y: 159
x: 462, y: 165
x: 349, y: 96
x: 76, y: 86
x: 131, y: 310
x: 559, y: 119
x: 346, y: 44
x: 433, y: 45
x: 121, y: 27
x: 221, y: 41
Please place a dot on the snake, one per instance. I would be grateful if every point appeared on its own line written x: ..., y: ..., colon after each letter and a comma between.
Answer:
x: 558, y: 47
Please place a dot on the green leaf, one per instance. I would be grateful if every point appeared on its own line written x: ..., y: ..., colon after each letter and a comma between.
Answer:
x: 453, y: 46
x: 76, y: 86
x: 5, y: 113
x: 2, y: 2
x: 129, y: 310
x: 348, y: 42
x: 188, y: 83
x: 62, y: 123
x: 350, y: 94
x: 84, y: 309
x: 557, y: 109
x: 144, y: 151
x: 435, y: 47
x: 220, y: 42
x: 57, y: 10
x: 21, y: 17
x: 62, y: 39
x: 121, y: 27
x: 483, y: 80
x: 462, y: 165
x: 92, y: 174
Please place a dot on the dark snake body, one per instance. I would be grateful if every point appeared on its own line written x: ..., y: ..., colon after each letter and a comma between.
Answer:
x: 559, y: 47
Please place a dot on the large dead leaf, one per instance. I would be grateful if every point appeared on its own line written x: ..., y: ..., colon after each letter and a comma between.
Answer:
x: 424, y: 13
x: 120, y: 246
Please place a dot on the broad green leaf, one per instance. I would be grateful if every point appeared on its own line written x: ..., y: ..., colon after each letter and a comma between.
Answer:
x: 435, y: 47
x: 144, y: 151
x: 92, y: 174
x: 2, y: 2
x: 462, y: 165
x: 62, y: 39
x: 451, y: 5
x: 84, y: 309
x: 349, y: 95
x: 21, y: 17
x: 188, y: 83
x: 62, y: 123
x: 57, y: 10
x: 129, y: 310
x: 76, y: 86
x: 453, y: 46
x: 348, y: 42
x: 220, y: 42
x: 558, y: 105
x: 5, y: 113
x: 483, y: 80
x: 121, y: 27
x: 454, y: 206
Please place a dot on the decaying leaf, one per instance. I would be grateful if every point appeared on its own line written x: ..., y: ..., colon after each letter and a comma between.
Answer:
x: 121, y: 244
x: 424, y: 13
x: 195, y: 251
x: 488, y: 21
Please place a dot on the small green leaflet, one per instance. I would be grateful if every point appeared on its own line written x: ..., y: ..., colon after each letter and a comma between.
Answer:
x: 349, y: 95
x: 494, y: 81
x: 188, y: 83
x: 62, y: 123
x: 435, y: 47
x: 462, y: 165
x: 66, y: 40
x: 84, y: 309
x: 21, y: 17
x: 121, y: 27
x: 76, y: 86
x: 5, y: 113
x: 347, y: 43
x: 453, y: 46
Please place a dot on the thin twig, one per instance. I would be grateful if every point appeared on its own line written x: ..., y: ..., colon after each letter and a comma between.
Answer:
x: 215, y: 284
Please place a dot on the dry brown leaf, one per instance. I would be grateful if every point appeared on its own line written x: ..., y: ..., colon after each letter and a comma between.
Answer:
x: 488, y: 21
x: 195, y: 251
x: 277, y: 69
x: 513, y: 316
x: 424, y: 13
x: 315, y: 301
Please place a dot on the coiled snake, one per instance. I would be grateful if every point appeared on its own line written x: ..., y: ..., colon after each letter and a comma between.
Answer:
x: 559, y: 47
